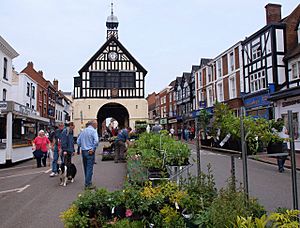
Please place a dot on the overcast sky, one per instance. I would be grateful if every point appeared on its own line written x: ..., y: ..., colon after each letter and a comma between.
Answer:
x: 165, y: 36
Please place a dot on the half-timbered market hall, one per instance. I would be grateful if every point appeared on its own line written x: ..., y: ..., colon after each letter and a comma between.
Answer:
x: 110, y: 85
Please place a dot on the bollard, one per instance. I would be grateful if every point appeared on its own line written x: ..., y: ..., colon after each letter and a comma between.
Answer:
x: 233, y: 173
x: 293, y: 161
x: 198, y: 147
x: 244, y: 155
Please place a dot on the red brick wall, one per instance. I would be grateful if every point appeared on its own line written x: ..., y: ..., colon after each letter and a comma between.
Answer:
x: 225, y: 64
x: 226, y: 88
x: 292, y: 22
x: 42, y: 86
x: 237, y: 57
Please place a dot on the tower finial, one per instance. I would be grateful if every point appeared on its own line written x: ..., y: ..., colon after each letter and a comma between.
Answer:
x: 112, y: 8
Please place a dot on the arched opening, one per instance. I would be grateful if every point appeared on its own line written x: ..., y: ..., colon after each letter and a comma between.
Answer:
x: 112, y: 110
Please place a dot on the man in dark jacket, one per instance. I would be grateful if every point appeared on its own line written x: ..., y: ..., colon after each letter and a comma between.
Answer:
x: 67, y: 143
x: 55, y: 139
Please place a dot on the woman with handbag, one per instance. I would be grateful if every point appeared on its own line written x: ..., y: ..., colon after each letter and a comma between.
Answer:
x: 40, y: 145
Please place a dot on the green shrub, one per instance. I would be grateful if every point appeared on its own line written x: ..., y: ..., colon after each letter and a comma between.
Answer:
x: 229, y: 204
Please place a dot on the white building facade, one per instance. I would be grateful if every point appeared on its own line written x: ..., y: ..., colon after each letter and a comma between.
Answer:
x: 24, y: 90
x: 7, y: 54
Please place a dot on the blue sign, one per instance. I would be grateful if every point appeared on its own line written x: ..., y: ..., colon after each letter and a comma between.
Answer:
x: 258, y: 101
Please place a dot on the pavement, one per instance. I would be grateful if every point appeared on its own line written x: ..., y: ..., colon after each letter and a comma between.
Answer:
x: 30, y: 198
x: 264, y: 157
x: 271, y: 188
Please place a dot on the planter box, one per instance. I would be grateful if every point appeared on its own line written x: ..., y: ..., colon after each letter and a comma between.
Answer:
x: 157, y: 173
x: 275, y: 148
x: 206, y: 142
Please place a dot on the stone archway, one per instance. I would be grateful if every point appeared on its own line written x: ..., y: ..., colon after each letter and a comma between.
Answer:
x: 114, y: 110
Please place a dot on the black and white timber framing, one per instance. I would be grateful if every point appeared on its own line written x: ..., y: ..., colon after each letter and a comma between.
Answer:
x: 263, y: 54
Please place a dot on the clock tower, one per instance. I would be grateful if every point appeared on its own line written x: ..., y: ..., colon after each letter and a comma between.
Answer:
x: 111, y: 84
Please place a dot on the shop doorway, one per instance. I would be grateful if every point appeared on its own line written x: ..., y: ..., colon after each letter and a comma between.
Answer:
x: 112, y: 111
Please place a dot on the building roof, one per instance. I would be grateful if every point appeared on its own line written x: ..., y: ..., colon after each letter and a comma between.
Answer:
x: 204, y: 61
x: 195, y: 68
x: 286, y: 93
x: 172, y: 83
x: 114, y: 39
x: 7, y: 49
x: 186, y: 76
x: 293, y: 53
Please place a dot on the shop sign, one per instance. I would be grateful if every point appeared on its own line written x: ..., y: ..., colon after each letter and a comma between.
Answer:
x: 290, y: 103
x: 3, y: 105
x: 261, y: 100
x: 172, y: 121
x: 163, y: 121
x: 151, y: 122
x: 202, y: 104
x: 24, y: 110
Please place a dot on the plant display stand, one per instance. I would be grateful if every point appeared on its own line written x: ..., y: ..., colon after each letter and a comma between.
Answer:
x: 108, y: 153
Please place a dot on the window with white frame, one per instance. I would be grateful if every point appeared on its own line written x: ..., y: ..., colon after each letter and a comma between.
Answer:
x: 219, y: 68
x: 209, y: 97
x: 220, y: 92
x: 231, y: 62
x: 209, y: 74
x: 200, y: 79
x: 33, y: 92
x: 170, y: 97
x: 258, y: 81
x: 295, y: 70
x: 256, y: 52
x: 232, y: 87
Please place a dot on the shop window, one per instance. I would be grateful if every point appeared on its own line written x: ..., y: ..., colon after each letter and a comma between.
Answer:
x: 4, y: 95
x: 5, y: 68
x: 295, y: 123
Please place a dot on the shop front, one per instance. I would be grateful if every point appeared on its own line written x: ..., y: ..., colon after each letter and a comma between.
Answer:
x: 164, y: 122
x: 258, y: 106
x: 20, y: 125
x: 172, y: 123
x: 289, y: 100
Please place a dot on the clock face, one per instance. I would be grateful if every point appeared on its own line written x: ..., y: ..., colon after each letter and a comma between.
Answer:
x: 112, y: 56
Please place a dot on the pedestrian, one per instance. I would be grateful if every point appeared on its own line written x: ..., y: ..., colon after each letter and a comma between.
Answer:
x: 179, y: 133
x: 282, y: 132
x: 40, y: 145
x: 192, y: 135
x: 156, y: 128
x: 120, y: 144
x: 55, y: 139
x: 88, y: 141
x: 78, y: 147
x: 186, y: 134
x: 67, y: 143
x: 172, y: 131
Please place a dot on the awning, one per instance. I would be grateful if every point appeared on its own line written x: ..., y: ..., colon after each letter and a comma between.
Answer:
x: 287, y: 93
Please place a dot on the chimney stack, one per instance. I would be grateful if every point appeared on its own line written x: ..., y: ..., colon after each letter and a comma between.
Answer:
x: 273, y: 13
x: 41, y: 73
x: 55, y: 83
x: 30, y: 64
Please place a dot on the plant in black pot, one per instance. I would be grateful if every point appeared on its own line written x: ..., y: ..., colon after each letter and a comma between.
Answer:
x: 176, y: 153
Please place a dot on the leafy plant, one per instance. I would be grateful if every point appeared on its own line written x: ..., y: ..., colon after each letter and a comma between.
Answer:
x: 73, y: 219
